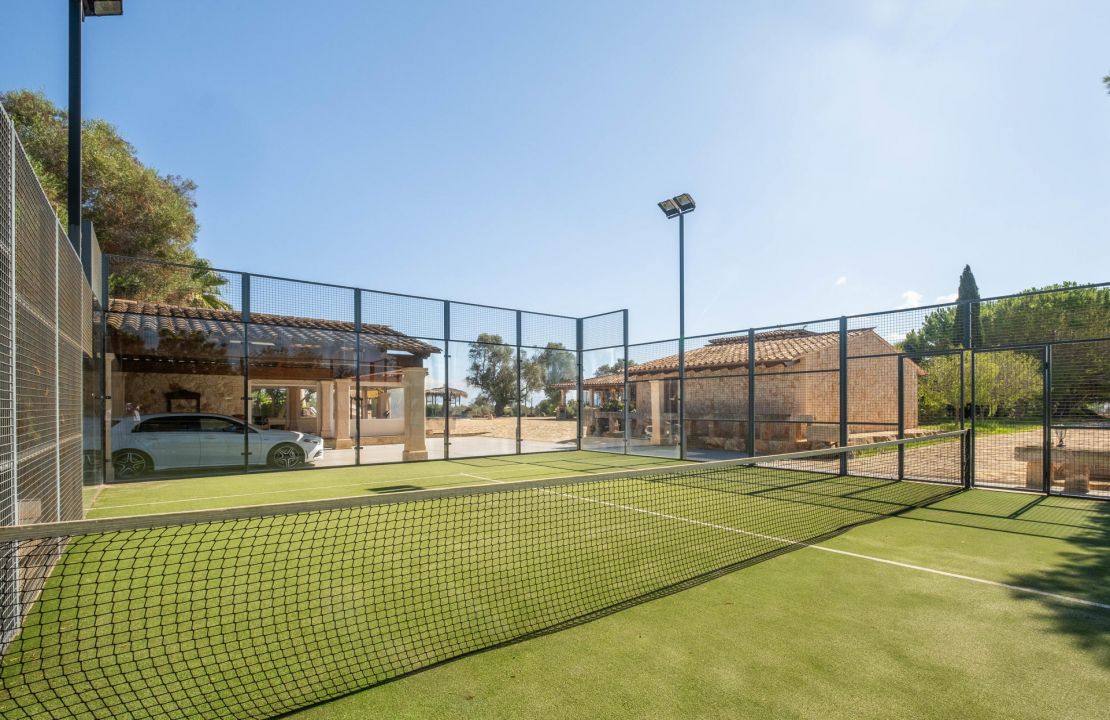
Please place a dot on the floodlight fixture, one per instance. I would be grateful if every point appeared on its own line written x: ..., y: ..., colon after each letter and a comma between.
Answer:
x: 102, y: 8
x: 678, y: 205
x: 669, y: 208
x: 685, y: 202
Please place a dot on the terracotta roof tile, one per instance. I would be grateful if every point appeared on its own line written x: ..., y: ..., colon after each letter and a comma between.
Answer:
x: 137, y: 318
x: 771, y: 347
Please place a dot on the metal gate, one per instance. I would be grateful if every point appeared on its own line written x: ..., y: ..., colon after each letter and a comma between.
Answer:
x: 1009, y: 428
x: 1078, y: 422
x: 1040, y: 417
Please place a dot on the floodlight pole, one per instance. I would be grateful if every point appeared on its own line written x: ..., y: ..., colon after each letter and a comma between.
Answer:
x: 77, y: 14
x: 73, y: 179
x: 682, y: 336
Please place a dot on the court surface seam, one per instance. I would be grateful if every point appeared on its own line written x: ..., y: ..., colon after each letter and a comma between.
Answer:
x: 846, y: 553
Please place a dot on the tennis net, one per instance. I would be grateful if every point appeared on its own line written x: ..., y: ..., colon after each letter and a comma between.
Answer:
x: 255, y: 612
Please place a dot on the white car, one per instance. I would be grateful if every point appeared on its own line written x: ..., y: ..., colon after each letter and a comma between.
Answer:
x: 193, y: 440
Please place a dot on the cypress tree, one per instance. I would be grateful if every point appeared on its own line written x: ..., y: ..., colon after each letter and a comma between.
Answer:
x: 968, y: 293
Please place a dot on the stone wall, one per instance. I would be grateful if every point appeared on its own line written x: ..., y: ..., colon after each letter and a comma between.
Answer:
x: 796, y: 404
x: 218, y: 393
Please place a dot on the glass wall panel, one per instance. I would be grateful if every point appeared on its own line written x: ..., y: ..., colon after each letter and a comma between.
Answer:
x: 168, y: 368
x: 486, y: 423
x: 392, y: 405
x: 296, y: 376
x: 653, y: 399
x: 603, y: 404
x: 548, y: 377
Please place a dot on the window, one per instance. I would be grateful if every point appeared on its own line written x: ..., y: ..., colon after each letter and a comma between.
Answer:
x: 309, y: 403
x: 169, y: 423
x: 218, y: 424
x: 670, y: 396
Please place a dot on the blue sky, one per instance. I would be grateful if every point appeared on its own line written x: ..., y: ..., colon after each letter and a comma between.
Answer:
x: 846, y: 157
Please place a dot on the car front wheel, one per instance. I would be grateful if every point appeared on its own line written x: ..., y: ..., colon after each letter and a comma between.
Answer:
x: 285, y: 456
x: 130, y: 464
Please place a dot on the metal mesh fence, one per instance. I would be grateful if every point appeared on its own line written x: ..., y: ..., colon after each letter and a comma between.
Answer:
x: 45, y: 339
x: 604, y: 330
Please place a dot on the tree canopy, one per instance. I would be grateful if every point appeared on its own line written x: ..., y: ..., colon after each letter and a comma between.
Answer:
x: 617, y: 366
x: 547, y: 367
x: 493, y: 371
x: 135, y: 210
x: 1052, y: 314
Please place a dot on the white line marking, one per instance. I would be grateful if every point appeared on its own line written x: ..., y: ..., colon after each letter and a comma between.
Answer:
x: 479, y: 477
x: 823, y: 548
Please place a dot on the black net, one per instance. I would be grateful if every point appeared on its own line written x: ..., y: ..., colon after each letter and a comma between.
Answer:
x: 249, y: 613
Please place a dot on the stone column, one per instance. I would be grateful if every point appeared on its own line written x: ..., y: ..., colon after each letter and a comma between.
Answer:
x: 656, y: 411
x: 415, y: 446
x: 326, y: 411
x: 343, y: 439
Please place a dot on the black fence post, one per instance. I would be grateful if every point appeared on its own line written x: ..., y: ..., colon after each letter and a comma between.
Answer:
x: 627, y: 399
x: 901, y: 416
x: 961, y: 416
x: 681, y: 394
x: 843, y: 394
x: 971, y: 431
x: 447, y: 379
x: 1046, y: 462
x: 245, y: 316
x: 102, y: 379
x: 519, y: 389
x: 578, y: 385
x: 358, y: 381
x: 750, y: 439
x: 965, y: 309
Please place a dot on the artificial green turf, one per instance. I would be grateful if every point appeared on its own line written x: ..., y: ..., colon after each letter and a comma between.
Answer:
x: 815, y: 635
x: 262, y: 488
x: 251, y: 618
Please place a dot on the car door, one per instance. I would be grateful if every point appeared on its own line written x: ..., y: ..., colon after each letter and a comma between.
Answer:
x: 172, y: 441
x: 221, y: 441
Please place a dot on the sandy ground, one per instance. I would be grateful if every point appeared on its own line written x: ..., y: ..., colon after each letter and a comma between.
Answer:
x: 543, y: 429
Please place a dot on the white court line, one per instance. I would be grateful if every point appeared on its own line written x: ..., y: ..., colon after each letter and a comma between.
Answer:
x: 479, y: 477
x: 823, y: 548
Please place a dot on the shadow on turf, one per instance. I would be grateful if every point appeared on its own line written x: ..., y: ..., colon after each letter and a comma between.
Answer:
x: 942, y: 494
x: 1083, y: 573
